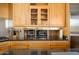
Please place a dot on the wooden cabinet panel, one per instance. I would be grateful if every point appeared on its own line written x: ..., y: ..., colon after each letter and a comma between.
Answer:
x: 4, y: 46
x: 4, y: 10
x: 64, y: 45
x: 60, y: 44
x: 40, y: 16
x: 60, y: 14
x: 30, y: 44
x: 39, y: 44
x: 27, y: 14
x: 44, y: 17
x: 57, y: 14
x: 19, y: 44
x: 19, y: 14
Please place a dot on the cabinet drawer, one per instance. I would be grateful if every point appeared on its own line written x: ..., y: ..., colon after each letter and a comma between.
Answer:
x: 59, y: 44
x: 39, y: 44
x: 4, y: 46
x: 19, y: 44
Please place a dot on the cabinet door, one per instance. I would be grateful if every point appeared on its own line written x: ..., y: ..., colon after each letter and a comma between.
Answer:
x: 33, y: 16
x: 39, y: 44
x: 19, y: 44
x: 27, y: 13
x: 44, y: 21
x: 57, y: 14
x: 19, y: 17
x: 39, y: 15
x: 60, y: 44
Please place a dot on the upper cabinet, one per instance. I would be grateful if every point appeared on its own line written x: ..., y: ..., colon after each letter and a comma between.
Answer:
x: 4, y: 10
x: 57, y: 14
x: 20, y: 17
x: 39, y: 14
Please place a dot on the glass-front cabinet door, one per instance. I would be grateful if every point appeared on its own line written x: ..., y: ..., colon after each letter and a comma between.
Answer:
x: 44, y: 16
x: 34, y: 16
x: 39, y: 14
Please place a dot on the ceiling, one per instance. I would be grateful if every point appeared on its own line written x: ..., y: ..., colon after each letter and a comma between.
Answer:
x: 74, y: 8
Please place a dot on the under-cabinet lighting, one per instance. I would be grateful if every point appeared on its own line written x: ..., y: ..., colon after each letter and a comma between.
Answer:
x: 44, y: 28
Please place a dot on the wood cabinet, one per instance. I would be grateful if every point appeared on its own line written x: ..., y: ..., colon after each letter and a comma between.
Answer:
x: 39, y: 15
x: 27, y: 15
x: 20, y: 12
x: 4, y: 10
x: 19, y: 44
x: 57, y: 14
x: 39, y: 44
x: 60, y: 45
x: 43, y: 45
x: 4, y: 46
x: 52, y: 14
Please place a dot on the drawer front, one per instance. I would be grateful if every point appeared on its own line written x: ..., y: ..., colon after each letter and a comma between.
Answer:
x: 59, y: 44
x: 19, y: 44
x: 39, y: 44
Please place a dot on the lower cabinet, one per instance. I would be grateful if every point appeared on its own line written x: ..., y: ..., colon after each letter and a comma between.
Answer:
x: 4, y: 46
x: 34, y: 47
x: 19, y: 44
x: 59, y: 44
x: 39, y: 44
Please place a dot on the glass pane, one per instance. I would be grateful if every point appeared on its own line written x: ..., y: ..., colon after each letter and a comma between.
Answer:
x: 41, y: 34
x: 31, y: 34
x: 34, y: 15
